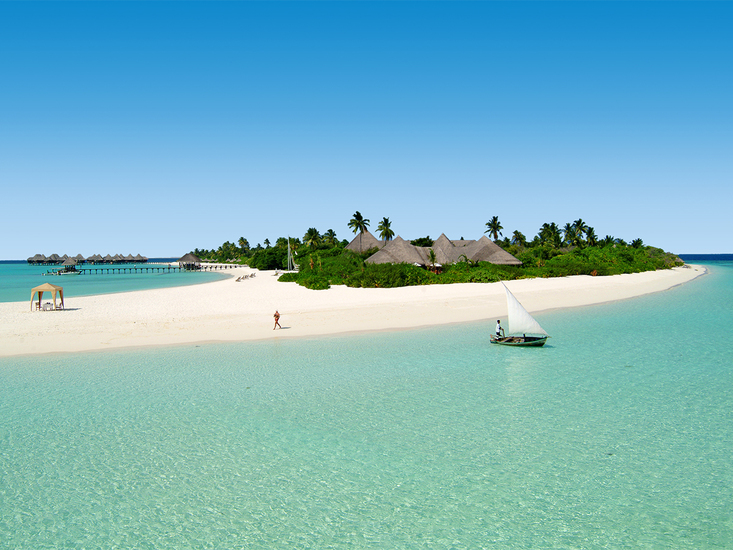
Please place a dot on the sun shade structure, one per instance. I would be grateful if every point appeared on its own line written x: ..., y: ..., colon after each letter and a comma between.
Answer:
x: 47, y: 287
x: 189, y: 261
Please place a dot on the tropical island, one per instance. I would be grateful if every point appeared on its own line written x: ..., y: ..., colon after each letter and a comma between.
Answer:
x: 323, y: 260
x: 374, y: 286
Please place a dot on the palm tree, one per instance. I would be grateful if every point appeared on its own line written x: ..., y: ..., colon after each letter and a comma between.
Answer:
x: 550, y: 234
x: 330, y: 237
x: 431, y: 259
x: 243, y: 244
x: 358, y: 224
x: 581, y: 228
x: 494, y: 227
x: 227, y: 251
x: 519, y: 239
x: 608, y: 240
x: 385, y: 230
x: 312, y: 237
x: 266, y: 242
x: 570, y: 233
x: 637, y: 243
x: 591, y: 237
x: 573, y: 235
x: 467, y: 260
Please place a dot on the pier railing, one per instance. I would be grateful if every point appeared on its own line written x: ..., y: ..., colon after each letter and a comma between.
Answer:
x: 120, y: 269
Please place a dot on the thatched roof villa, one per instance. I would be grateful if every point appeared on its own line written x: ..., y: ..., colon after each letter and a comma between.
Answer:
x: 55, y: 259
x: 399, y: 251
x: 189, y: 261
x: 365, y: 241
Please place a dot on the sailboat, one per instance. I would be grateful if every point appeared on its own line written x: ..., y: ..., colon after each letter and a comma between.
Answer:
x: 524, y: 330
x: 291, y: 262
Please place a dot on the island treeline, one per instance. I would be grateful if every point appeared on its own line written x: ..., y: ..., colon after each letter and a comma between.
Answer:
x: 323, y: 259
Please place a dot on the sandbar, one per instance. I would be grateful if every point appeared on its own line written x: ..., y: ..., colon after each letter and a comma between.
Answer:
x: 235, y: 311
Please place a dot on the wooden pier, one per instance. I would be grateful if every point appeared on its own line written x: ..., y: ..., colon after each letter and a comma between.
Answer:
x: 120, y: 269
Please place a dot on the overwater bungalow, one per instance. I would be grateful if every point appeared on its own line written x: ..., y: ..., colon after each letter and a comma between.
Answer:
x: 55, y: 259
x: 189, y: 262
x: 38, y: 259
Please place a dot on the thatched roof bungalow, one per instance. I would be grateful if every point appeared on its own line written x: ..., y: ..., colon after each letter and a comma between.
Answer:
x: 446, y: 252
x: 398, y: 251
x: 38, y: 259
x: 363, y: 242
x: 189, y: 261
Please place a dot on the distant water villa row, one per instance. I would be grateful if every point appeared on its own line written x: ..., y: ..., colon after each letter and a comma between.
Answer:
x: 55, y: 259
x: 120, y: 264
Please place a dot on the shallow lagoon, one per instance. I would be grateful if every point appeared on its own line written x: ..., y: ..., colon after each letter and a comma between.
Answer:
x: 616, y: 434
x: 18, y: 278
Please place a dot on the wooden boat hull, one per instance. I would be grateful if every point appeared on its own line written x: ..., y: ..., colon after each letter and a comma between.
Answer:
x: 527, y: 341
x: 62, y: 273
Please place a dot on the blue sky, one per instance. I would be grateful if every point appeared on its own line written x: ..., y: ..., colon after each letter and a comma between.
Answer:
x: 157, y: 128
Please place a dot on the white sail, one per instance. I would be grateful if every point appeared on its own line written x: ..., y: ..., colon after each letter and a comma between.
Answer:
x: 520, y: 321
x: 291, y: 263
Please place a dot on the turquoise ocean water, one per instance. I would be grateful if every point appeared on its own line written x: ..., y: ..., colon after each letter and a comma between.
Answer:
x: 18, y: 278
x: 617, y: 434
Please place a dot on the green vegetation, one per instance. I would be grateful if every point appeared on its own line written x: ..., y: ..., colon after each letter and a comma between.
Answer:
x: 259, y: 257
x: 323, y: 260
x: 423, y: 241
x: 343, y: 267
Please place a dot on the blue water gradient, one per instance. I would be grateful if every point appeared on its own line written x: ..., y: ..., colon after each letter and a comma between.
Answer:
x: 18, y: 278
x: 617, y: 434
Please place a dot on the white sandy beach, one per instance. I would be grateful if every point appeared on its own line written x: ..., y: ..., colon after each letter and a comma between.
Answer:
x: 230, y: 311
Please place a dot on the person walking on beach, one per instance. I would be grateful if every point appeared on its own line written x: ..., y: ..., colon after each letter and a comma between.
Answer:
x: 499, y: 329
x: 277, y: 320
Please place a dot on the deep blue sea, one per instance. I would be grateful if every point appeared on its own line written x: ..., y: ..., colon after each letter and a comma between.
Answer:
x: 17, y: 278
x: 617, y: 434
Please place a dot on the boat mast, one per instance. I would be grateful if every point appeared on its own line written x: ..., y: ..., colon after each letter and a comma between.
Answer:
x: 291, y: 264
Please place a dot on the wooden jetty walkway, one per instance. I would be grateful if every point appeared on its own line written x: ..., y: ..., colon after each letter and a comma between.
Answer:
x: 119, y: 269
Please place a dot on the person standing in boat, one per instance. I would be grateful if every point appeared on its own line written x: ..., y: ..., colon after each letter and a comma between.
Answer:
x: 499, y: 329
